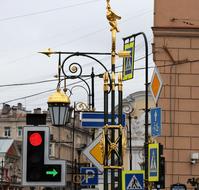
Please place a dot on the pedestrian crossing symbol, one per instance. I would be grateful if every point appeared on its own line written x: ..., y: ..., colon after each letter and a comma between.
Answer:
x: 154, y: 162
x: 133, y: 180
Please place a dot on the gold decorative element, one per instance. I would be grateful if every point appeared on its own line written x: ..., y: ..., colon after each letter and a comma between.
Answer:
x: 58, y: 97
x: 113, y: 81
x: 105, y: 77
x: 81, y: 106
x: 113, y: 146
x: 112, y: 17
x: 124, y: 54
x: 47, y: 52
x: 74, y: 69
x: 120, y: 85
x: 113, y: 167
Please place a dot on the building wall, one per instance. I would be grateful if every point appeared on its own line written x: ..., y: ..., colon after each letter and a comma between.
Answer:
x: 176, y: 54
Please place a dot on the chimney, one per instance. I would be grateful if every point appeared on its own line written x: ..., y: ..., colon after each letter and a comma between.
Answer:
x: 6, y: 109
x: 19, y: 106
x: 37, y: 111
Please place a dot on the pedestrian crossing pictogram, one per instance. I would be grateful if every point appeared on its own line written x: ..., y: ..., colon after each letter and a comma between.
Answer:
x: 134, y: 184
x: 133, y: 180
x: 153, y: 164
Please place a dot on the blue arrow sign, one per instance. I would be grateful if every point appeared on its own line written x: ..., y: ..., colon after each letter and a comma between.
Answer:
x: 156, y: 121
x: 90, y: 176
x: 96, y: 119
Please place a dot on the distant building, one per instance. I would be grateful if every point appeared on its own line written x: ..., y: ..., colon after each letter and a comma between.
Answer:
x: 137, y: 116
x: 13, y: 119
x: 10, y: 165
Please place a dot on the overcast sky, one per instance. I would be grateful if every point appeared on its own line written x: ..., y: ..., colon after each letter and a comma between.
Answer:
x: 28, y: 27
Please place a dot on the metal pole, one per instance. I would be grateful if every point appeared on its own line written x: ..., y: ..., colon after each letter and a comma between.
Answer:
x: 146, y: 111
x: 113, y: 130
x: 73, y: 144
x: 146, y: 104
x: 59, y: 69
x: 130, y: 143
x: 120, y: 162
x: 93, y: 88
x: 106, y: 134
x: 2, y: 174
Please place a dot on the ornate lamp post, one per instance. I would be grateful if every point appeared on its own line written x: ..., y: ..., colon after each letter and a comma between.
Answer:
x: 128, y: 110
x: 146, y: 104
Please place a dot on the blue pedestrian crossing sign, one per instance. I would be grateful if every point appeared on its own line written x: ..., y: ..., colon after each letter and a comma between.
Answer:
x: 153, y: 162
x: 89, y: 176
x: 128, y: 62
x: 156, y: 121
x: 133, y: 180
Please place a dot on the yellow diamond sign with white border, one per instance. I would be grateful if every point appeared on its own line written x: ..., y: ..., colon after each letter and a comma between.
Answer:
x: 156, y: 85
x: 94, y: 154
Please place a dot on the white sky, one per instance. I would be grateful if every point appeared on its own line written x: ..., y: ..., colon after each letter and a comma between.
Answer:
x: 28, y: 27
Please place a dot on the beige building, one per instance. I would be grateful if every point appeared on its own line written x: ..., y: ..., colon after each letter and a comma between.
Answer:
x: 13, y: 119
x: 176, y: 54
x: 136, y: 101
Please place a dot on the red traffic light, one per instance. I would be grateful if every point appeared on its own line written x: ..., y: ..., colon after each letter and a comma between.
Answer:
x: 35, y: 139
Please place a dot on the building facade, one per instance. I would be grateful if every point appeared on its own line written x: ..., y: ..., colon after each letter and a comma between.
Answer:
x: 176, y: 54
x: 136, y: 120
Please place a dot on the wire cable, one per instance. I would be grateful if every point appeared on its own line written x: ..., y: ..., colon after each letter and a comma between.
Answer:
x: 46, y: 11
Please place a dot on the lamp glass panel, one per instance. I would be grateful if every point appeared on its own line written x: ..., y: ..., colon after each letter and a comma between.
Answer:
x: 51, y: 114
x: 63, y: 114
x: 56, y: 112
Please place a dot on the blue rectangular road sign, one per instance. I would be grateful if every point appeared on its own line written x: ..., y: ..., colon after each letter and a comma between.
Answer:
x: 133, y: 180
x: 96, y: 119
x: 156, y: 121
x: 89, y: 176
x: 153, y: 162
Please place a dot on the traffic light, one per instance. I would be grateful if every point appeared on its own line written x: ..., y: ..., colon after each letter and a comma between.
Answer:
x: 161, y: 183
x: 37, y: 168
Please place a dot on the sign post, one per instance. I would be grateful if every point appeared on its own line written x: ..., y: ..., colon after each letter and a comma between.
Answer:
x: 94, y: 153
x: 156, y: 85
x: 156, y: 121
x: 133, y: 180
x: 128, y: 62
x: 89, y: 176
x: 96, y: 119
x: 153, y: 162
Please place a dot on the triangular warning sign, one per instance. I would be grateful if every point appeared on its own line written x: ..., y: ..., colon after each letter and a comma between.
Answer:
x: 134, y: 184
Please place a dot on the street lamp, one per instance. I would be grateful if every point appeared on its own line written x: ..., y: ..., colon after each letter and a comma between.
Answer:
x: 128, y: 110
x: 59, y: 108
x: 146, y: 104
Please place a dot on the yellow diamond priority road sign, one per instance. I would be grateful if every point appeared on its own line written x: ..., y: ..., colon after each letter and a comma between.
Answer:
x: 156, y: 85
x: 94, y: 154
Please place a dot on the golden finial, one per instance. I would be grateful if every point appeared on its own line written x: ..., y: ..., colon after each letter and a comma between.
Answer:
x: 112, y: 17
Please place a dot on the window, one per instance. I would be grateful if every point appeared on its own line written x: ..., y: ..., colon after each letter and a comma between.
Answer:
x: 19, y: 131
x: 7, y: 131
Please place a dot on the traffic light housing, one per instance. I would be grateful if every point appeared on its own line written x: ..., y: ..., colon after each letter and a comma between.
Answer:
x: 37, y: 168
x: 161, y: 183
